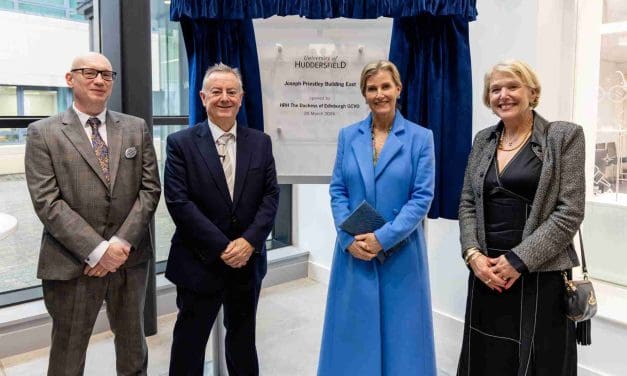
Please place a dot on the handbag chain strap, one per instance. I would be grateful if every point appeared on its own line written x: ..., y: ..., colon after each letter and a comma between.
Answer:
x: 584, y: 268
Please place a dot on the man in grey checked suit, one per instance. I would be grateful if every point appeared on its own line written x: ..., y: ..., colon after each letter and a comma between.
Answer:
x: 93, y: 179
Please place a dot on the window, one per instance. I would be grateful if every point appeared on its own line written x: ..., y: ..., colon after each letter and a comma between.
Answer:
x: 602, y: 67
x: 44, y: 37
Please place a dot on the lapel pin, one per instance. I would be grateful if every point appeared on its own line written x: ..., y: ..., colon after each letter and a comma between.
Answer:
x: 130, y: 152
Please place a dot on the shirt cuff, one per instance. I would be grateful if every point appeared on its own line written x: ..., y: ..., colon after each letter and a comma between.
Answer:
x: 516, y: 262
x: 114, y: 239
x: 95, y: 255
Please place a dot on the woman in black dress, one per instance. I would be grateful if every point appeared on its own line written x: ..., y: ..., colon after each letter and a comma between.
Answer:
x: 522, y: 202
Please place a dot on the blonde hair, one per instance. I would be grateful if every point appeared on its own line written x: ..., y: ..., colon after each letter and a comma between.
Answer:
x: 519, y: 69
x: 373, y: 68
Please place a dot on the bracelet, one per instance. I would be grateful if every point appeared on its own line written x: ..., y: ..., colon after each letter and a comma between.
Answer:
x: 473, y: 256
x: 469, y: 251
x: 470, y: 254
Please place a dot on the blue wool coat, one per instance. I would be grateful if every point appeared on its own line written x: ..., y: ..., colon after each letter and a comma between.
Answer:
x: 378, y: 316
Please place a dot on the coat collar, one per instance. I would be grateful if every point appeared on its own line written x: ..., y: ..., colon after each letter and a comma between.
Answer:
x: 362, y: 148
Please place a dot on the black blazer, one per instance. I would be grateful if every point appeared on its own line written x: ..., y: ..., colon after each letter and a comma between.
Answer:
x: 206, y: 219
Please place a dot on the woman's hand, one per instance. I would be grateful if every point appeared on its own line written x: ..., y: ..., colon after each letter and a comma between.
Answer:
x: 480, y: 265
x: 369, y: 242
x: 359, y: 252
x: 502, y: 268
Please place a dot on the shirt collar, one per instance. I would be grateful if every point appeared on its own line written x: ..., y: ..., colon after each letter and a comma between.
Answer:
x: 83, y: 117
x: 216, y: 131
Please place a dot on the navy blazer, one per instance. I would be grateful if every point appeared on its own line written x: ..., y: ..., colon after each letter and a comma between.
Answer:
x: 206, y: 218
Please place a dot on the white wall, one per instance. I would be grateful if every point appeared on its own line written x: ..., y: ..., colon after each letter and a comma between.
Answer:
x: 541, y: 33
x: 313, y: 228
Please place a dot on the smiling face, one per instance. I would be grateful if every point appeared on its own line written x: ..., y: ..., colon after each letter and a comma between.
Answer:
x: 381, y: 93
x: 509, y: 98
x: 222, y: 97
x: 90, y: 94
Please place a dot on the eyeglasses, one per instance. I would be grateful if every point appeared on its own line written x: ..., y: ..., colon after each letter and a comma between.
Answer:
x: 91, y: 73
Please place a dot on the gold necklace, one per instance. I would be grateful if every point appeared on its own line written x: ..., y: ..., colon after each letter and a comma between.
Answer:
x: 509, y: 143
x: 524, y: 139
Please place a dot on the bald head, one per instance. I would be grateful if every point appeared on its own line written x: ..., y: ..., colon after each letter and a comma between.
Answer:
x: 89, y: 58
x: 85, y: 78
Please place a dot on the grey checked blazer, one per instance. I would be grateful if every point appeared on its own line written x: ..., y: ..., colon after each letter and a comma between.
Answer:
x: 71, y: 197
x: 558, y: 206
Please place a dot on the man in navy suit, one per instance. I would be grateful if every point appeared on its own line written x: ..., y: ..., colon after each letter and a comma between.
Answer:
x: 221, y: 191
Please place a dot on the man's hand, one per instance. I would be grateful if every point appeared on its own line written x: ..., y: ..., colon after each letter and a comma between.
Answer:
x: 237, y: 253
x: 115, y: 255
x: 96, y: 271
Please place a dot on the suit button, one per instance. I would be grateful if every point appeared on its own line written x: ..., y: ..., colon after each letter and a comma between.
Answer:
x: 481, y: 174
x: 479, y: 195
x: 108, y: 198
x: 110, y: 224
x: 233, y: 220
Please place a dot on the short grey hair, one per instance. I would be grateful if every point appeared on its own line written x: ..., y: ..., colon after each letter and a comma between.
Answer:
x: 223, y: 68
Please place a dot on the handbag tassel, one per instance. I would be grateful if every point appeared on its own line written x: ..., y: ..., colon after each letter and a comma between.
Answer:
x: 584, y: 333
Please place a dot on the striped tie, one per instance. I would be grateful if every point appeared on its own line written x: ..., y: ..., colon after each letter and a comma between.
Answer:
x: 100, y: 148
x: 227, y: 160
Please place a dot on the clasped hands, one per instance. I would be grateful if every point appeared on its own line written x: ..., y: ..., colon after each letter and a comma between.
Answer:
x: 115, y: 255
x: 497, y: 273
x: 237, y: 253
x: 365, y: 247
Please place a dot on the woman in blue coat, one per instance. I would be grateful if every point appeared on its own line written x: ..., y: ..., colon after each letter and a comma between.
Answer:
x: 378, y: 315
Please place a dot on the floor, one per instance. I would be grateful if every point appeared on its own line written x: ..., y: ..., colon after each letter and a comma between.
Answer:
x: 289, y: 326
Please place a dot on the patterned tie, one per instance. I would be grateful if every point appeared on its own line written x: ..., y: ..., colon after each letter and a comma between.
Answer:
x: 100, y: 148
x: 227, y: 159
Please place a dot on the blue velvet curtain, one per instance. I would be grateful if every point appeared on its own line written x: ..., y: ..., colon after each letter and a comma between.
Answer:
x: 433, y: 57
x: 429, y: 45
x: 319, y: 9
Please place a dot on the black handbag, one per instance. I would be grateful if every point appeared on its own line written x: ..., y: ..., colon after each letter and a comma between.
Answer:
x: 581, y: 301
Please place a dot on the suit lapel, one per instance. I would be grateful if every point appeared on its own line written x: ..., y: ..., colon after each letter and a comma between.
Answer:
x: 362, y: 148
x: 392, y: 145
x: 114, y: 143
x: 207, y: 149
x: 74, y: 131
x: 242, y: 161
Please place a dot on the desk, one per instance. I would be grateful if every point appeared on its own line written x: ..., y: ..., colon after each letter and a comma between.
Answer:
x: 8, y: 224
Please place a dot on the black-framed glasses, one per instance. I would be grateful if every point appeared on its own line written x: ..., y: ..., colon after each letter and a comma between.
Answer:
x: 91, y: 73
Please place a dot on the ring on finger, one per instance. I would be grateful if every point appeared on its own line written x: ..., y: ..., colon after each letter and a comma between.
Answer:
x: 487, y: 281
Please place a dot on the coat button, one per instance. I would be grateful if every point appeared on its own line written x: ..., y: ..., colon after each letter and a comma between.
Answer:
x: 479, y: 195
x: 395, y: 211
x: 481, y: 174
